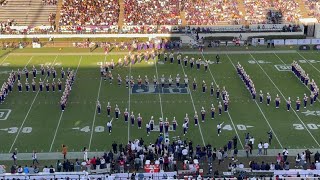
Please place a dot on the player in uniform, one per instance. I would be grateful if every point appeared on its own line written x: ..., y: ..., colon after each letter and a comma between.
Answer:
x: 109, y: 126
x: 98, y: 107
x: 203, y: 114
x: 204, y: 86
x: 126, y: 115
x: 220, y: 108
x: 198, y: 63
x: 261, y: 96
x: 212, y: 111
x: 108, y: 109
x: 194, y: 84
x: 174, y: 124
x: 33, y: 85
x: 166, y: 126
x: 288, y: 104
x: 305, y: 101
x: 196, y: 118
x: 217, y: 58
x: 19, y: 86
x: 132, y: 118
x: 186, y: 80
x: 268, y: 99
x: 277, y: 100
x: 139, y: 119
x: 27, y: 86
x: 117, y: 111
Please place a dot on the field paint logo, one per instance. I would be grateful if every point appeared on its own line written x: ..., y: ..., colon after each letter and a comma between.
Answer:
x: 240, y: 127
x: 13, y: 130
x: 151, y: 89
x: 87, y: 129
x: 258, y: 61
x: 157, y: 128
x: 4, y: 114
x: 311, y: 113
x: 283, y: 67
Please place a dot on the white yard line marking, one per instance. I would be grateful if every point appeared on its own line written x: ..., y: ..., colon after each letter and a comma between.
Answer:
x: 129, y: 103
x: 309, y: 62
x: 285, y: 98
x: 4, y: 59
x: 28, y: 62
x: 234, y: 127
x: 194, y: 107
x: 158, y: 87
x: 25, y: 118
x: 95, y: 110
x: 264, y: 116
x: 293, y: 73
x: 58, y: 125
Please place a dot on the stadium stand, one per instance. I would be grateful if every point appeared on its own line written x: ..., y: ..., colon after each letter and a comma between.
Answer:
x: 27, y: 12
x: 313, y: 8
x: 156, y: 12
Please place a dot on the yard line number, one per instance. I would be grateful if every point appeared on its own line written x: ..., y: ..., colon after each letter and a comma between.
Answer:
x: 310, y: 126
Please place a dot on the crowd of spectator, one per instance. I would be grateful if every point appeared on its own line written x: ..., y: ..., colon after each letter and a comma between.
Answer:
x: 313, y: 7
x: 256, y: 11
x: 3, y: 2
x: 152, y: 12
x: 89, y: 13
x: 208, y: 12
x: 290, y: 9
x: 49, y: 2
x: 52, y: 19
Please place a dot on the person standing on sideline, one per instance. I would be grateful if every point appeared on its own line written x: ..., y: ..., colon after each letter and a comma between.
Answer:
x: 85, y: 153
x: 64, y: 151
x: 308, y: 155
x: 14, y: 157
x: 260, y: 149
x: 285, y: 153
x: 265, y: 148
x: 270, y: 136
x: 34, y: 158
x: 247, y: 148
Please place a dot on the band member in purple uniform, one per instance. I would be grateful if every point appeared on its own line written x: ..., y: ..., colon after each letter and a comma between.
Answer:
x: 108, y: 109
x: 185, y: 60
x: 220, y: 108
x: 174, y: 124
x: 117, y: 111
x: 34, y: 72
x: 109, y: 126
x: 203, y: 114
x: 161, y: 125
x: 261, y: 96
x: 213, y: 110
x: 277, y: 101
x: 47, y: 86
x: 198, y: 63
x: 27, y: 86
x: 98, y: 107
x: 298, y: 102
x: 191, y: 62
x: 178, y: 81
x: 139, y: 80
x: 204, y: 86
x: 63, y: 73
x: 194, y: 84
x: 226, y: 104
x: 33, y: 85
x: 151, y: 122
x: 26, y: 73
x: 179, y: 59
x: 186, y: 80
x: 305, y: 101
x: 53, y: 85
x: 59, y: 85
x: 139, y: 119
x: 48, y: 71
x: 166, y: 126
x: 288, y: 104
x: 54, y: 73
x: 218, y: 92
x: 40, y: 85
x: 196, y: 118
x: 171, y: 58
x: 148, y: 129
x: 132, y: 118
x: 126, y: 115
x: 311, y: 98
x: 170, y: 81
x: 19, y: 86
x: 42, y: 69
x: 211, y: 89
x: 206, y: 64
x: 268, y: 99
x: 19, y: 74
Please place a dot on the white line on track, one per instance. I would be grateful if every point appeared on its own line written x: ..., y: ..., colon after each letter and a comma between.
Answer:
x: 4, y: 59
x: 156, y: 62
x: 285, y: 98
x: 309, y: 62
x: 95, y: 110
x: 25, y: 118
x: 194, y: 107
x: 58, y: 125
x: 293, y: 73
x: 234, y: 127
x: 264, y: 116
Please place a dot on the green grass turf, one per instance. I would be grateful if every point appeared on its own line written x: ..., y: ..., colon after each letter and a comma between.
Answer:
x: 42, y: 111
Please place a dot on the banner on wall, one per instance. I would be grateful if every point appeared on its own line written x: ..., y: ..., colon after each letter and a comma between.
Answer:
x: 278, y: 41
x: 315, y: 41
x: 291, y: 41
x: 304, y: 41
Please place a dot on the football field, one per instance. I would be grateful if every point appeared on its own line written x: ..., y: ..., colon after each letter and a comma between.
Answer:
x: 34, y: 121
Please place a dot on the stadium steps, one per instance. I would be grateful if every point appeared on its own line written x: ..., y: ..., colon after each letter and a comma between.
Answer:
x: 26, y: 12
x: 303, y: 9
x: 121, y: 14
x: 58, y: 15
x: 183, y: 18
